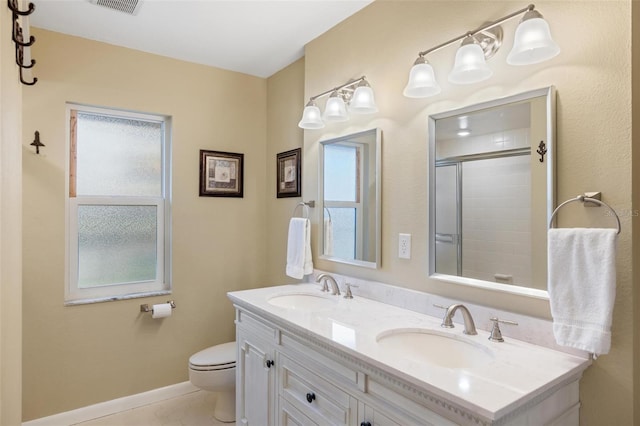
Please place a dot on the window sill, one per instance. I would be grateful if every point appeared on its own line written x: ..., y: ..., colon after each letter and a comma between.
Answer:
x: 115, y: 298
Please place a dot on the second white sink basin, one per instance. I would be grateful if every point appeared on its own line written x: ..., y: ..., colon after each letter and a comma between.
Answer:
x: 442, y: 349
x: 303, y: 301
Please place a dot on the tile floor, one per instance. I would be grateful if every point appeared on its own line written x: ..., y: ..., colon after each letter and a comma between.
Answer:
x: 193, y: 409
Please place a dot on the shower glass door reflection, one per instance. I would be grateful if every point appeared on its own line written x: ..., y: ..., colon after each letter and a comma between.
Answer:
x: 448, y: 222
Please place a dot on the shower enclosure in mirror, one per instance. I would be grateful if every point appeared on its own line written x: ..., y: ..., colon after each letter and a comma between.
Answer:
x: 350, y: 199
x: 491, y: 186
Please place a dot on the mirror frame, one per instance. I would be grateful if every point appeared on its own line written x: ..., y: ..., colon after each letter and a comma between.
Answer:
x: 378, y: 191
x: 550, y: 94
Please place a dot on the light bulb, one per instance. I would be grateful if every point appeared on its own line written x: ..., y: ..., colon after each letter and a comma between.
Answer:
x: 532, y: 43
x: 335, y: 109
x: 470, y: 65
x: 311, y: 117
x: 363, y: 101
x: 422, y: 80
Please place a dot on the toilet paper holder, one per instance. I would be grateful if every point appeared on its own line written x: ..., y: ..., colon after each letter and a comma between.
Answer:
x: 146, y: 308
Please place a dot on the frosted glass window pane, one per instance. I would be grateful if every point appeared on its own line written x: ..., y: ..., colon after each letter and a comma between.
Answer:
x: 343, y: 222
x: 116, y: 244
x: 340, y: 173
x: 118, y: 156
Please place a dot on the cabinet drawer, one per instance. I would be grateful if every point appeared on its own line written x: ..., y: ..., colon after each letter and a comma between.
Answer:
x: 401, y: 407
x: 321, y: 364
x: 258, y: 327
x: 313, y: 396
x: 289, y: 415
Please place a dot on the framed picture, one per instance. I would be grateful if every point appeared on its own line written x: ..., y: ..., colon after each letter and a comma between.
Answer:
x: 221, y: 174
x: 289, y: 176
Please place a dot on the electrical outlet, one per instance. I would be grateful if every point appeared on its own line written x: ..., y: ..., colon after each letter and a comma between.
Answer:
x: 404, y: 246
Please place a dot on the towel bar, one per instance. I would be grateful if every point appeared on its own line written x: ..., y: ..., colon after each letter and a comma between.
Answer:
x: 585, y: 199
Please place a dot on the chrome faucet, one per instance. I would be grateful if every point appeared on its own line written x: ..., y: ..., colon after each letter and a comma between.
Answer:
x: 334, y: 284
x: 469, y: 325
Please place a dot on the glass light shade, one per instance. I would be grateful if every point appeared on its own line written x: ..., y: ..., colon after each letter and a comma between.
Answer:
x: 470, y: 65
x: 422, y: 81
x: 311, y: 117
x: 532, y: 42
x: 363, y: 101
x: 335, y: 109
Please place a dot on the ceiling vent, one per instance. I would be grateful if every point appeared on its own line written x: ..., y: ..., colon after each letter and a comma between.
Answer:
x: 130, y: 7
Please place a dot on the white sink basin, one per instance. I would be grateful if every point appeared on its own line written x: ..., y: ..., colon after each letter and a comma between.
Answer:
x: 442, y: 349
x: 303, y: 301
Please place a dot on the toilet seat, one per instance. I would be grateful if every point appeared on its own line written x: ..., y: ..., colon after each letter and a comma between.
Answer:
x: 219, y: 357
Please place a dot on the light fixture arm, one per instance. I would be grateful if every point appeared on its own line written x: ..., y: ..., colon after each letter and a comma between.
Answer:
x: 478, y: 30
x: 337, y: 88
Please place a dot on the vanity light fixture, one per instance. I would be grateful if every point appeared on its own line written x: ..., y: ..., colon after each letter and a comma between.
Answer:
x: 354, y: 96
x: 532, y: 44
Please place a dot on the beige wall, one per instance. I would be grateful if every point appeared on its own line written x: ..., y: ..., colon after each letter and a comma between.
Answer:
x: 285, y: 101
x: 10, y: 227
x: 80, y: 355
x: 112, y: 345
x: 592, y: 76
x: 635, y: 106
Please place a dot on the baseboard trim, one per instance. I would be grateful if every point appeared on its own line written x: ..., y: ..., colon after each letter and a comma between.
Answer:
x: 114, y: 406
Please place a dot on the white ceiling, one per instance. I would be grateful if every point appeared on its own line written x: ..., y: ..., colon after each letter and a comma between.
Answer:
x: 257, y: 37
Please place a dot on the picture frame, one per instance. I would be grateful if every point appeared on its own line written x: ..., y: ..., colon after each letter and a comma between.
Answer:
x: 221, y: 174
x: 289, y: 176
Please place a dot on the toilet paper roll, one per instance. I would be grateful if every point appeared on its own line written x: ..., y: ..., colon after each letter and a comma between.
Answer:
x: 161, y: 310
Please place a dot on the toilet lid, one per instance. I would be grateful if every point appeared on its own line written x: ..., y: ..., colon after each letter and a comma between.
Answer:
x: 215, y: 355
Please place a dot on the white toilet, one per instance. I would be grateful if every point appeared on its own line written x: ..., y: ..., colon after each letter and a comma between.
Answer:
x: 214, y: 369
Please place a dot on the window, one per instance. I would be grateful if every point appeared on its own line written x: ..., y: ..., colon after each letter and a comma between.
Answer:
x: 342, y: 198
x: 118, y: 209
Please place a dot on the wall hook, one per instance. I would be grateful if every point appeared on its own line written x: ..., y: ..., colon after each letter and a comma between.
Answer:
x: 36, y: 142
x: 542, y: 150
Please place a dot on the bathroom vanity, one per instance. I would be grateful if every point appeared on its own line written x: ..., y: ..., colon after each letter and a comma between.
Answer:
x: 306, y: 357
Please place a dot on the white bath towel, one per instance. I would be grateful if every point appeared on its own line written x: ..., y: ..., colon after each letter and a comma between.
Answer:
x: 582, y: 286
x: 328, y: 237
x: 299, y: 261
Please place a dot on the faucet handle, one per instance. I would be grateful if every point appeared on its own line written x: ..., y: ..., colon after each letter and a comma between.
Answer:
x: 440, y: 306
x: 496, y: 334
x: 347, y: 292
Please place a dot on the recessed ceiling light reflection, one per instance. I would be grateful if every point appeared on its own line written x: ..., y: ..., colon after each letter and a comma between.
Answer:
x: 464, y: 132
x: 463, y: 384
x: 344, y: 335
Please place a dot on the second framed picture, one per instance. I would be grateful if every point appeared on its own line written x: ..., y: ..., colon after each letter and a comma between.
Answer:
x: 288, y: 173
x: 221, y: 174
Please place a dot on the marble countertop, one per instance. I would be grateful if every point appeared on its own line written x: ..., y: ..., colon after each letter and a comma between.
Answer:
x: 510, y: 374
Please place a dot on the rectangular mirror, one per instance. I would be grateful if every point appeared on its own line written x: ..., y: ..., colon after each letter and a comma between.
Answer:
x: 491, y: 193
x: 350, y: 199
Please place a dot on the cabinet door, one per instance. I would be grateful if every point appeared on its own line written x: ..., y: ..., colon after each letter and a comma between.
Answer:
x: 255, y: 382
x: 367, y: 416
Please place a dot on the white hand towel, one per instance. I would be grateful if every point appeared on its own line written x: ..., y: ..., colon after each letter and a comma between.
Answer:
x: 328, y: 237
x: 582, y: 286
x: 299, y: 262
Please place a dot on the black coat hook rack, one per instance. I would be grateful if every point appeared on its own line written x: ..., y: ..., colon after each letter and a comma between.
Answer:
x: 18, y: 38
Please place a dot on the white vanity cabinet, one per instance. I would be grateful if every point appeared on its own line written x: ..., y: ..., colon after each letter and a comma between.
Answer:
x: 324, y: 367
x: 282, y: 379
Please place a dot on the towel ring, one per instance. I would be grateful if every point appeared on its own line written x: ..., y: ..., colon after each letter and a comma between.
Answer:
x: 583, y: 199
x: 329, y: 213
x: 305, y: 208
